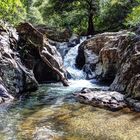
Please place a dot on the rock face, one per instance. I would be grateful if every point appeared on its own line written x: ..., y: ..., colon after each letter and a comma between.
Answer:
x: 54, y: 34
x: 114, y: 58
x: 128, y: 75
x: 4, y: 95
x: 41, y: 57
x: 101, y: 54
x: 104, y: 99
x: 15, y: 78
x: 25, y: 57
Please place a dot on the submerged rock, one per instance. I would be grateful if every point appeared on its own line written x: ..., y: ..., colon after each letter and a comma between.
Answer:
x: 133, y: 103
x: 105, y: 99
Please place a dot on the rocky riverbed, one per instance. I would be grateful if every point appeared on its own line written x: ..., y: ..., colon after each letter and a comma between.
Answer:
x: 25, y: 55
x: 99, y: 102
x: 51, y: 113
x: 113, y: 58
x: 28, y: 57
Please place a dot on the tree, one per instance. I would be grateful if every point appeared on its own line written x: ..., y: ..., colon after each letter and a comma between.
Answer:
x: 33, y: 15
x: 113, y: 13
x: 133, y: 18
x: 91, y: 10
x: 83, y: 16
x: 75, y: 14
x: 12, y: 11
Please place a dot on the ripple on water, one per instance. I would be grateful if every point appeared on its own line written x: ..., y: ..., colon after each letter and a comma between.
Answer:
x: 51, y: 113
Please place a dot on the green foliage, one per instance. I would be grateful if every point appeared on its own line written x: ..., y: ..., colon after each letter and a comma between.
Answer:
x: 33, y: 13
x: 12, y: 11
x: 133, y: 18
x: 16, y: 11
x: 34, y: 16
x: 112, y: 14
x: 107, y: 15
x: 68, y: 13
x: 74, y: 19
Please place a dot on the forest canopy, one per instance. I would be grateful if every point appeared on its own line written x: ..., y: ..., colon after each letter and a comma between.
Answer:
x: 81, y: 16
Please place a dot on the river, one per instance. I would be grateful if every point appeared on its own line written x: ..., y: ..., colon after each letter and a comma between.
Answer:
x: 52, y: 113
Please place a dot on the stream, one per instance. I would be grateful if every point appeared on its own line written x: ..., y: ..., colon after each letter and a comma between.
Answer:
x: 52, y: 113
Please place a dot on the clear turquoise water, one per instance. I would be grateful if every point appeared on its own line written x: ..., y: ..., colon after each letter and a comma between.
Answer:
x: 51, y: 113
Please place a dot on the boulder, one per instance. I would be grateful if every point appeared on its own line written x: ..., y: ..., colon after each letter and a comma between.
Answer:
x: 41, y: 57
x: 101, y: 53
x: 105, y: 99
x: 115, y: 59
x: 55, y: 34
x: 127, y: 77
x: 15, y: 78
x: 109, y: 57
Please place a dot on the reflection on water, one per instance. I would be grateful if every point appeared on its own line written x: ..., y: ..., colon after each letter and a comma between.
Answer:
x: 51, y: 113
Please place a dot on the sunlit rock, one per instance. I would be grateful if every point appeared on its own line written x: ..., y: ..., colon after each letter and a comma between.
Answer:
x: 41, y: 57
x: 113, y: 58
x: 14, y: 76
x: 105, y: 99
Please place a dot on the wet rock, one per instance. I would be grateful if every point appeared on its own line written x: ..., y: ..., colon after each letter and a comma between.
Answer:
x: 89, y: 71
x: 14, y: 76
x: 102, y: 53
x: 133, y: 103
x: 41, y: 56
x: 105, y: 99
x: 55, y: 34
x: 80, y: 59
x: 74, y: 40
x: 4, y: 96
x: 127, y: 77
x: 62, y: 48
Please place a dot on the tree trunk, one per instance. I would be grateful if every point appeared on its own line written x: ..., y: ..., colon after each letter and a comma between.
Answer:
x: 90, y: 30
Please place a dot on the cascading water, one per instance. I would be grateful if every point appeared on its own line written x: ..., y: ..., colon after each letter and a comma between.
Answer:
x: 69, y: 62
x: 24, y: 118
x: 51, y: 113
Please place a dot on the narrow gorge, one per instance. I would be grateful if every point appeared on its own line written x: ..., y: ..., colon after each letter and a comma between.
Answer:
x: 67, y: 90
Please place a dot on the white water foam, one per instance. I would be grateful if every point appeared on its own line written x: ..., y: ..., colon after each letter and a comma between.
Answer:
x: 69, y: 62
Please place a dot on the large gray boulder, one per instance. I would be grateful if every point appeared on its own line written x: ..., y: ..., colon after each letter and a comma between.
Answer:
x: 41, y: 56
x: 105, y: 99
x: 15, y: 78
x: 128, y: 75
x: 115, y: 58
x: 101, y: 54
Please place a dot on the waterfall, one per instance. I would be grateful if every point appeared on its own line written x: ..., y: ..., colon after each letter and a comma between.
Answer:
x: 69, y: 62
